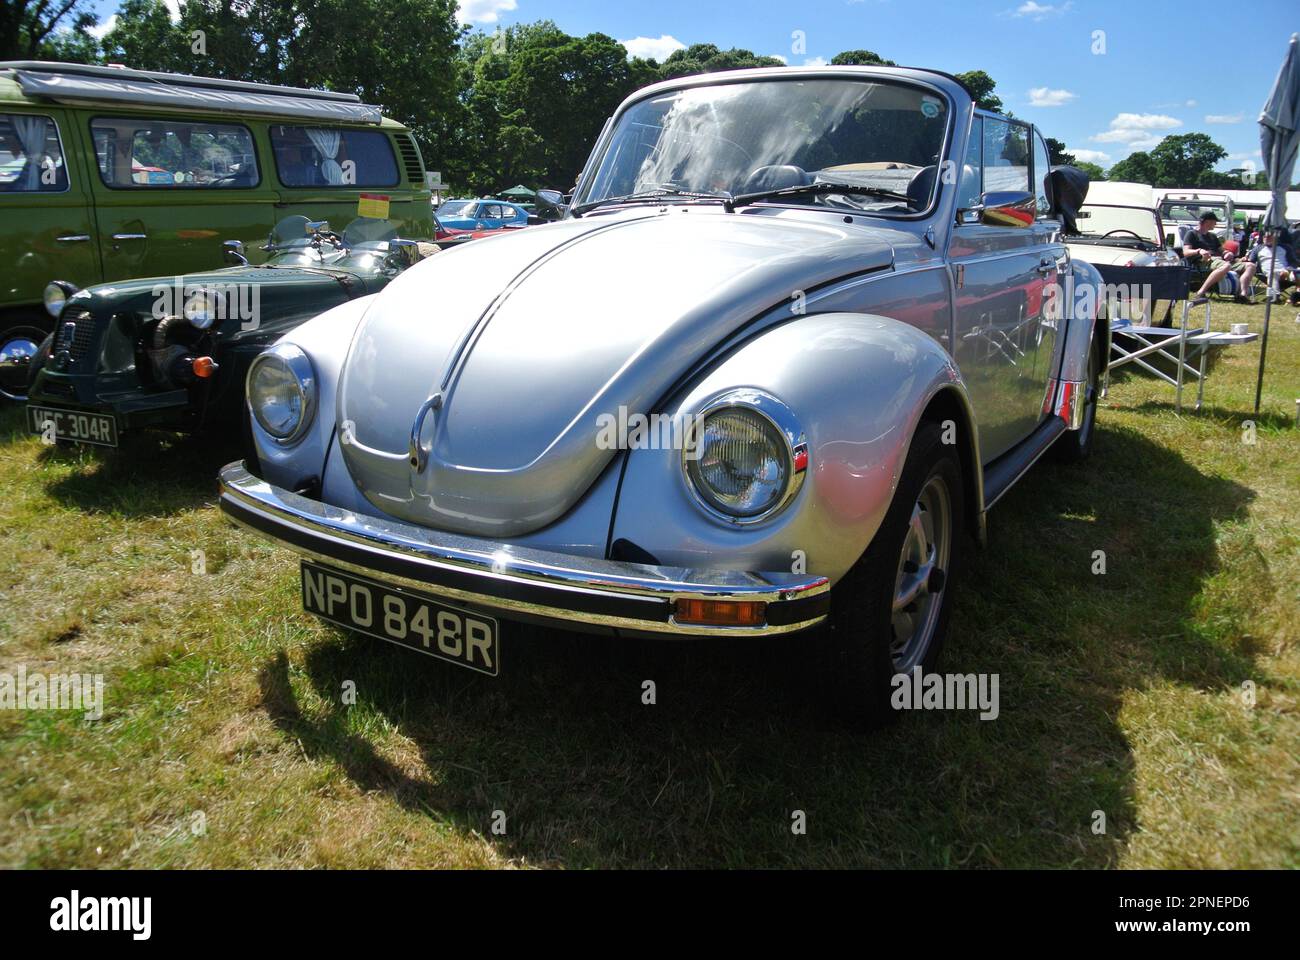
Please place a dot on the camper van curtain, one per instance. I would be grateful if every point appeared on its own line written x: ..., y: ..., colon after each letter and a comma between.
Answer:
x: 326, y: 143
x: 31, y: 133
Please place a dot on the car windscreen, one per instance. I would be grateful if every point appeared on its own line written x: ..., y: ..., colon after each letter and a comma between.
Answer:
x: 1102, y: 222
x: 746, y: 137
x: 1179, y: 210
x: 332, y: 157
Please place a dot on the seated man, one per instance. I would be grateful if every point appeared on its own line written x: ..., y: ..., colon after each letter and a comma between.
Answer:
x: 1202, y: 246
x: 1263, y: 257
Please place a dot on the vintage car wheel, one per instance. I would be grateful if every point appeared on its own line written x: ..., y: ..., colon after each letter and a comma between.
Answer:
x: 1074, y: 446
x: 19, y: 346
x: 890, y: 611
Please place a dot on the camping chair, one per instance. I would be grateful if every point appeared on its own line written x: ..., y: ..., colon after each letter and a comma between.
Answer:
x: 1165, y: 283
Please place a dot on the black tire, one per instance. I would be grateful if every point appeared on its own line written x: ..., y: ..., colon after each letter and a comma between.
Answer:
x: 862, y: 639
x: 1075, y: 446
x: 18, y: 341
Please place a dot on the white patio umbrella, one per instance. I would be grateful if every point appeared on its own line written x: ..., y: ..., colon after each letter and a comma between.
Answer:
x: 1279, y: 139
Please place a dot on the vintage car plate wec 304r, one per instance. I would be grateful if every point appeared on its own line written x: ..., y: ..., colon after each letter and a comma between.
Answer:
x: 402, y: 617
x: 75, y: 425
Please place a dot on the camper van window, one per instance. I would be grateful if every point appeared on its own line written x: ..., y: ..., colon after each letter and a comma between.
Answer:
x: 31, y: 156
x: 169, y: 154
x: 325, y: 157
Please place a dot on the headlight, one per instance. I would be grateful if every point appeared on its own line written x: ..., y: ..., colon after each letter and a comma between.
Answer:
x: 281, y: 392
x: 203, y: 308
x: 747, y: 457
x: 56, y: 295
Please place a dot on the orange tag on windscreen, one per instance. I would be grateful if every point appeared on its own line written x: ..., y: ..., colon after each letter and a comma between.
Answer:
x: 373, y: 205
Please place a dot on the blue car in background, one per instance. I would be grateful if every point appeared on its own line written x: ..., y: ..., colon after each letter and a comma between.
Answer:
x: 481, y: 215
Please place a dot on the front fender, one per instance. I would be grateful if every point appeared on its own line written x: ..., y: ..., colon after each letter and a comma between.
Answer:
x: 858, y: 384
x: 325, y: 339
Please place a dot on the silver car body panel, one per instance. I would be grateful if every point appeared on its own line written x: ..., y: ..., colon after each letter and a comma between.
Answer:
x: 857, y: 322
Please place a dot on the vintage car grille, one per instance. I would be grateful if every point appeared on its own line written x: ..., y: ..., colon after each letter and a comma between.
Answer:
x: 410, y: 157
x: 75, y: 333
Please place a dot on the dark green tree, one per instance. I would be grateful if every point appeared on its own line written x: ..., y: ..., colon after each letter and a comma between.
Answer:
x: 1137, y: 167
x: 708, y: 58
x: 30, y: 29
x: 1184, y: 159
x: 1094, y: 171
x: 861, y: 58
x: 980, y: 86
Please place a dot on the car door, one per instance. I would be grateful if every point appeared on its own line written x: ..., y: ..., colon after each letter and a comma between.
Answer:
x: 170, y: 190
x: 1002, y: 269
x: 45, y: 207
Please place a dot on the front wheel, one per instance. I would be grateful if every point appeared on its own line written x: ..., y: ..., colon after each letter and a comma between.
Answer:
x: 19, y: 345
x: 890, y: 612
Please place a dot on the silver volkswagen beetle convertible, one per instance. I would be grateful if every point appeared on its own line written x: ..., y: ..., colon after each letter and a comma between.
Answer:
x: 797, y: 333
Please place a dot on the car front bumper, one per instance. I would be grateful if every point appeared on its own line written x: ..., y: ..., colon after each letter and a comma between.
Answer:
x: 519, y: 583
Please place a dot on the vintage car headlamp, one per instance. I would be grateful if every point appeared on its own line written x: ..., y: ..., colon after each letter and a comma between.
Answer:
x: 746, y: 456
x: 56, y: 295
x: 281, y: 392
x: 203, y: 308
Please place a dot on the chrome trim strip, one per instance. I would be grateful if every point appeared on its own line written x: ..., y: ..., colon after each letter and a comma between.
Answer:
x: 519, y: 581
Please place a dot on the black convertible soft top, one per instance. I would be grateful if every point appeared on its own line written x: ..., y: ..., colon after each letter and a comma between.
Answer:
x: 1069, y: 191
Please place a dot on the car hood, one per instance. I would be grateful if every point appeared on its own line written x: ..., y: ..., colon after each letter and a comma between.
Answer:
x: 535, y: 336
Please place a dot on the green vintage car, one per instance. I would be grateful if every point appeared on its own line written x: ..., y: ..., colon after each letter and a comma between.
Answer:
x: 172, y: 352
x: 108, y: 174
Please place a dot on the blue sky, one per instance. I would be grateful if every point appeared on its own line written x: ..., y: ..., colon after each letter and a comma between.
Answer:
x: 1106, y: 76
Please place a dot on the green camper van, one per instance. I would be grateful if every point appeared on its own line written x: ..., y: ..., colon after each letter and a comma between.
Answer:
x: 109, y: 174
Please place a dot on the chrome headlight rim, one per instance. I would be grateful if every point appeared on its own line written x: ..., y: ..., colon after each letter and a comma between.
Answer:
x: 786, y: 425
x: 299, y: 365
x: 203, y: 307
x: 56, y: 295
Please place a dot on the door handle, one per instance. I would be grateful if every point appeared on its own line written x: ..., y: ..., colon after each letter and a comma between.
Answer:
x: 118, y: 238
x: 73, y: 238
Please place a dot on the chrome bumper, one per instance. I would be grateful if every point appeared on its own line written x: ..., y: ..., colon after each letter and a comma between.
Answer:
x: 517, y: 583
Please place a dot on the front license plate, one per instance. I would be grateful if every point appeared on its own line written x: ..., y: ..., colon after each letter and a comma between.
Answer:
x: 402, y: 617
x: 76, y: 425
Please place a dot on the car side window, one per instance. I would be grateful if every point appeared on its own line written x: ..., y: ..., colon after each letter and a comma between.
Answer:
x: 31, y: 155
x: 1042, y: 167
x: 332, y: 157
x: 970, y: 184
x: 138, y: 152
x: 1006, y: 156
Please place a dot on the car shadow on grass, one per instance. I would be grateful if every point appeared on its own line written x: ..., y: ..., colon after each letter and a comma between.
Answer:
x: 149, y: 475
x: 737, y: 745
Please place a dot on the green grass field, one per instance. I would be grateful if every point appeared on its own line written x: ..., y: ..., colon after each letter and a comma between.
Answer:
x: 226, y: 740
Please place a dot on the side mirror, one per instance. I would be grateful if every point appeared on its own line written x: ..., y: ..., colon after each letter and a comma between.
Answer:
x: 552, y: 198
x: 1002, y: 208
x: 232, y: 252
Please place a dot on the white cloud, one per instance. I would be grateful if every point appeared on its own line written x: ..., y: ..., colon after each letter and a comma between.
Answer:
x: 1091, y: 156
x: 816, y: 62
x: 1223, y: 118
x: 100, y: 31
x: 479, y: 11
x: 173, y: 9
x: 1043, y: 97
x: 1039, y: 11
x: 652, y: 48
x: 1137, y: 131
x: 779, y: 56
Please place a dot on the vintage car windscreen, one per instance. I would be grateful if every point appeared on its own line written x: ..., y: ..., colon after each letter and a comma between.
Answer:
x: 742, y: 138
x: 1100, y: 223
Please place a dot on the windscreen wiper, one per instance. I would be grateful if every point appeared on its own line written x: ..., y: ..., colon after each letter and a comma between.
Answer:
x: 645, y: 195
x: 819, y: 188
